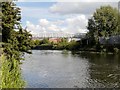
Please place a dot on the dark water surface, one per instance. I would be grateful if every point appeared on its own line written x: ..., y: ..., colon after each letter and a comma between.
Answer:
x: 55, y: 69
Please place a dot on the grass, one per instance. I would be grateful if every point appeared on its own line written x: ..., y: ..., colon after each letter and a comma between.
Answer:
x: 10, y: 73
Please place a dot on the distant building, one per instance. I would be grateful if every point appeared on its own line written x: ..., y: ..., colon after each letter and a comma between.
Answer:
x: 55, y: 40
x: 73, y: 39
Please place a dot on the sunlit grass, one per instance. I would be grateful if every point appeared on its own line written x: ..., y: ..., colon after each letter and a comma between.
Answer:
x: 10, y: 73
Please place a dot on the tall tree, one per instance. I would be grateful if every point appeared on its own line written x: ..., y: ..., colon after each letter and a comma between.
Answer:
x: 16, y: 41
x: 0, y: 21
x: 10, y: 19
x: 104, y: 22
x: 16, y: 38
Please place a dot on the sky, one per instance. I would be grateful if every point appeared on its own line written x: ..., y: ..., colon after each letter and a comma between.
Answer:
x: 57, y: 16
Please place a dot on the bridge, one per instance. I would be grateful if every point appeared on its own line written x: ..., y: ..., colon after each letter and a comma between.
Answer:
x: 58, y: 35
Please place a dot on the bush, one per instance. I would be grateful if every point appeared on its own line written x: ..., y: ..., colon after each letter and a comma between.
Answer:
x: 37, y: 42
x: 73, y: 45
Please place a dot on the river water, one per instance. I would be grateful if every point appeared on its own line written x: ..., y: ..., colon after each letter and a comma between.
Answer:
x: 58, y: 69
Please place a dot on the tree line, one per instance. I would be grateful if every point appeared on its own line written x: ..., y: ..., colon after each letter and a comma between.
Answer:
x: 16, y: 41
x: 63, y: 44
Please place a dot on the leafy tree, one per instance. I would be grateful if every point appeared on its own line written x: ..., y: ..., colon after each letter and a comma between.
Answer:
x: 16, y: 41
x: 73, y: 45
x: 0, y: 22
x: 45, y: 41
x: 10, y: 19
x: 64, y: 40
x: 37, y: 42
x: 104, y: 22
x: 25, y: 40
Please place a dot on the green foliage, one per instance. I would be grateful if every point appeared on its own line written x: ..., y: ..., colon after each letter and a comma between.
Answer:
x: 37, y: 42
x: 62, y: 44
x: 42, y: 42
x: 73, y: 45
x: 20, y: 42
x: 63, y: 40
x: 10, y: 19
x: 15, y: 44
x: 104, y: 22
x: 45, y: 41
x: 0, y: 22
x: 15, y: 41
x: 24, y: 39
x: 10, y: 78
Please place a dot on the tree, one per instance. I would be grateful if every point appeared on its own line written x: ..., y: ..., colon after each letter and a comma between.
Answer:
x: 10, y: 19
x: 25, y: 40
x: 17, y: 40
x: 104, y: 22
x: 0, y: 22
x: 45, y: 41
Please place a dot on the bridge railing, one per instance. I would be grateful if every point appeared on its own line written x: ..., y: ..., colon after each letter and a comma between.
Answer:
x: 52, y: 35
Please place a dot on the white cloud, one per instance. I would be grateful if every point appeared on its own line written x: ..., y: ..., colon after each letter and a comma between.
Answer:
x: 53, y: 28
x: 43, y: 26
x: 36, y: 0
x: 78, y: 7
x: 43, y: 22
x: 75, y: 24
x: 33, y: 28
x: 61, y: 17
x: 65, y: 7
x: 68, y: 0
x: 39, y: 13
x: 87, y: 0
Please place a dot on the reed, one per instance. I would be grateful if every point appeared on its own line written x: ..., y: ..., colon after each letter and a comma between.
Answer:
x: 10, y: 73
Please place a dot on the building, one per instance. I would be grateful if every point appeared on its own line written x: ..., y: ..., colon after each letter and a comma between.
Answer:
x: 55, y: 40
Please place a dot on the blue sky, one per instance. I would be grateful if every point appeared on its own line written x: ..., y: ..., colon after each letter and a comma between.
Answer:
x: 69, y: 17
x: 33, y: 5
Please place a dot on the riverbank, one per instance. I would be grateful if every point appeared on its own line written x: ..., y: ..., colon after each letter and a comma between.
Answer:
x: 81, y: 45
x: 79, y: 50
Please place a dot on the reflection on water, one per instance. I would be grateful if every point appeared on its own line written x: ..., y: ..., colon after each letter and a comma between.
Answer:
x: 104, y: 70
x: 56, y: 69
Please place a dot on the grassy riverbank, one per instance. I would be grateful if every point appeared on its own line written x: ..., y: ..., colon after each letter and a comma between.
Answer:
x: 75, y: 46
x: 10, y: 78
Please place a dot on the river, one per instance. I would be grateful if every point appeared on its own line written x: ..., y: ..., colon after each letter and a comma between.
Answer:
x: 56, y: 69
